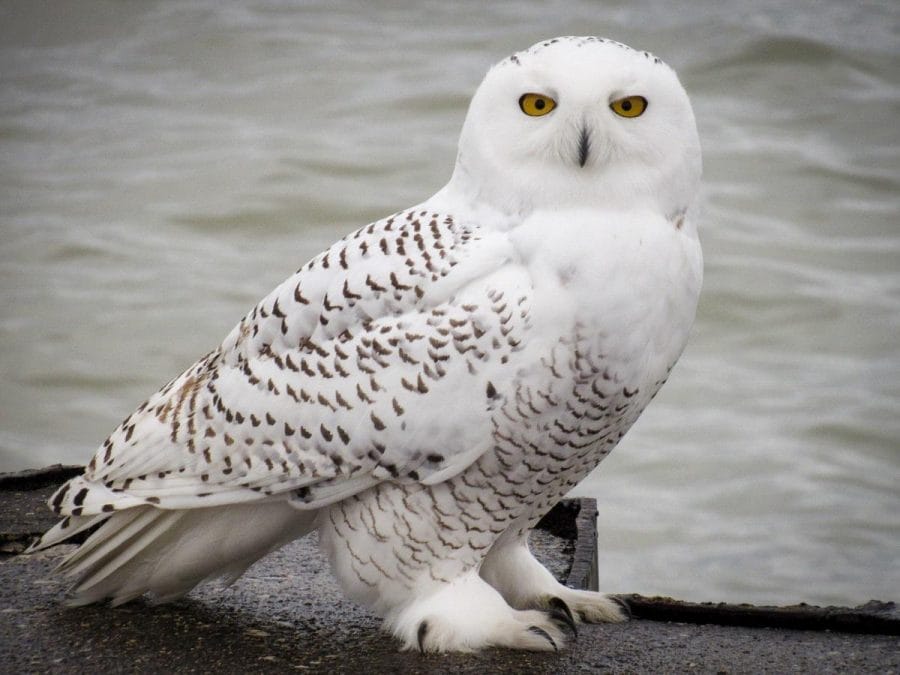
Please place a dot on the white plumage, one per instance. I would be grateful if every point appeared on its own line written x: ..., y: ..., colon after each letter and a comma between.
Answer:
x: 424, y: 390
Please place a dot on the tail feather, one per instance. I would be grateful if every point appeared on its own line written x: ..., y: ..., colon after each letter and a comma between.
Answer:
x: 166, y: 553
x: 101, y: 556
x: 66, y: 528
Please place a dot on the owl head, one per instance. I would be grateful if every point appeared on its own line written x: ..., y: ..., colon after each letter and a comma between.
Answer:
x: 580, y: 122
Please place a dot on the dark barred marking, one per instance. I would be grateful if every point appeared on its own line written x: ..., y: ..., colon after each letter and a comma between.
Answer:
x: 379, y: 425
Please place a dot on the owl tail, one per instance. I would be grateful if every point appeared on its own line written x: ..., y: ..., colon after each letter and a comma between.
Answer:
x: 166, y: 553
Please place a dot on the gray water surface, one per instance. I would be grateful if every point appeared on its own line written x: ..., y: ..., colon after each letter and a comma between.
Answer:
x: 164, y: 164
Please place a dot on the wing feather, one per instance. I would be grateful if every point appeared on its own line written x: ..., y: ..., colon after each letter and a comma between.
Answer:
x: 372, y: 362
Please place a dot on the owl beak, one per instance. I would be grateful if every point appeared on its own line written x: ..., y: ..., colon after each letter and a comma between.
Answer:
x: 584, y: 146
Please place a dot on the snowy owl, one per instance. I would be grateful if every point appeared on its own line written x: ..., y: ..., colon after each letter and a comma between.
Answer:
x: 423, y: 391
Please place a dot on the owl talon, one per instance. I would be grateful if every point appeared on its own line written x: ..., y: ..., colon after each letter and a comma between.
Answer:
x: 623, y: 603
x: 537, y: 630
x: 560, y: 612
x: 420, y: 635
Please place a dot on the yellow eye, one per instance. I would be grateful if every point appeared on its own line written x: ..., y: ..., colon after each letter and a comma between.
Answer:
x: 630, y: 106
x: 536, y: 104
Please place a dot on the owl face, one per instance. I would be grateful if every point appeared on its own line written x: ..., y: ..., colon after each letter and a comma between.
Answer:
x: 581, y: 121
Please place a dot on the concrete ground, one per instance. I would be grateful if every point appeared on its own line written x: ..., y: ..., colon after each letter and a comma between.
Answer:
x: 287, y: 615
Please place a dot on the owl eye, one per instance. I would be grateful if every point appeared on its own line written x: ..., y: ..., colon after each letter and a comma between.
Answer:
x: 536, y: 105
x: 630, y: 106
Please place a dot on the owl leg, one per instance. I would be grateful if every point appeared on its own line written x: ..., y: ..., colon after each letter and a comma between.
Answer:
x: 526, y: 584
x: 467, y: 614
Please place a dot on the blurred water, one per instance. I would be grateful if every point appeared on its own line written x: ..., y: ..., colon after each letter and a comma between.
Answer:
x: 164, y: 164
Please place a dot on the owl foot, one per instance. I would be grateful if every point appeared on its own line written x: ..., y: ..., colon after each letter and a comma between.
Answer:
x: 467, y: 614
x: 434, y: 635
x: 526, y: 584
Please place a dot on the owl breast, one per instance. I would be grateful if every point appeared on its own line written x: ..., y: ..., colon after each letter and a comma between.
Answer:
x: 611, y: 308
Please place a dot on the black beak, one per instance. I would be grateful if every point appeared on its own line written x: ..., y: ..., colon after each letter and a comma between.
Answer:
x: 584, y: 146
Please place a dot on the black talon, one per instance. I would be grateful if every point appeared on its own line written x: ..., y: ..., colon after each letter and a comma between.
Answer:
x: 560, y: 611
x: 623, y: 603
x: 537, y: 630
x: 423, y: 629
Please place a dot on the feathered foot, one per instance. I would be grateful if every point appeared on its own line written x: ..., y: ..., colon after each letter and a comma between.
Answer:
x: 467, y: 614
x: 526, y: 584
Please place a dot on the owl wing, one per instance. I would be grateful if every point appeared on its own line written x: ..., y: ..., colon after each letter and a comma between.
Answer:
x: 379, y: 359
